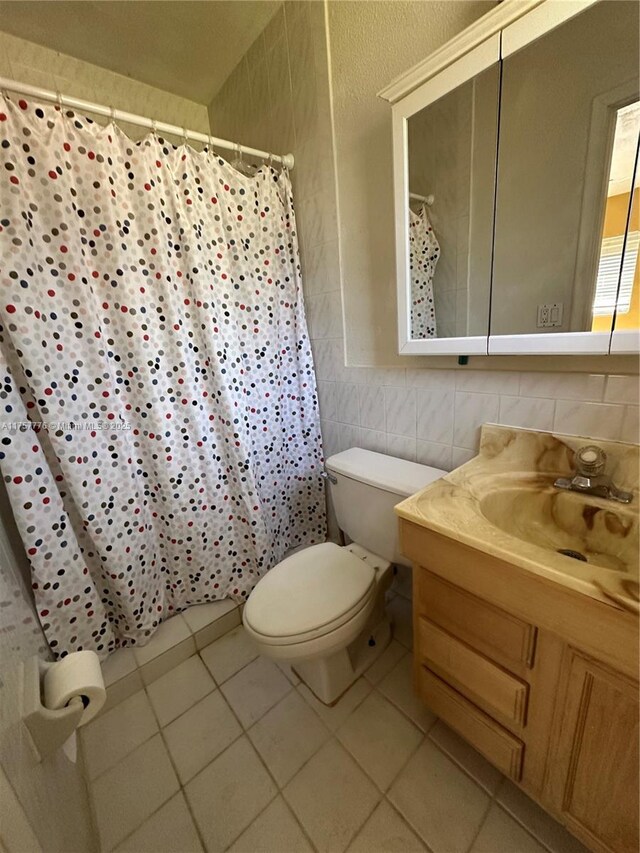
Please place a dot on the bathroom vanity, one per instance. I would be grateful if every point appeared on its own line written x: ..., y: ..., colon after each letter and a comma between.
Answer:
x: 529, y: 654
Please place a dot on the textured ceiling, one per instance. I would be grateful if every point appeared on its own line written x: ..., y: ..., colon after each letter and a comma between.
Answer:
x: 188, y: 48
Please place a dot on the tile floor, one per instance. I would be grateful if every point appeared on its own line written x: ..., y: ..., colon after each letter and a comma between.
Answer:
x: 227, y: 751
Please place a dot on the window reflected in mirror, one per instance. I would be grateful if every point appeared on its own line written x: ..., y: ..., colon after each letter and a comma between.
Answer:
x: 617, y: 292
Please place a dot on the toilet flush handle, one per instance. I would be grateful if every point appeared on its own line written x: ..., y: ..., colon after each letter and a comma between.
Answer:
x: 330, y: 477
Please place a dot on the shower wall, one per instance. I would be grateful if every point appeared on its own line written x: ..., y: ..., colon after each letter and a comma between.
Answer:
x: 52, y: 793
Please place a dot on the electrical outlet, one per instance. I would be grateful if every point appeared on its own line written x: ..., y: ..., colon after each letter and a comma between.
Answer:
x: 550, y: 314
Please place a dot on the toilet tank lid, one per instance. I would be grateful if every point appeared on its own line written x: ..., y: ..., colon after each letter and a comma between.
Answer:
x: 399, y: 476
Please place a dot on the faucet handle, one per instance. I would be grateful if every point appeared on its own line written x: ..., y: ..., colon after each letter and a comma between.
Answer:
x: 590, y: 460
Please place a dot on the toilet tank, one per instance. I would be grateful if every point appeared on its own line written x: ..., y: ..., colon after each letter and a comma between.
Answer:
x: 368, y: 487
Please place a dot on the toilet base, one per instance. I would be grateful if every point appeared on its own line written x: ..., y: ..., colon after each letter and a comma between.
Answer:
x: 329, y: 677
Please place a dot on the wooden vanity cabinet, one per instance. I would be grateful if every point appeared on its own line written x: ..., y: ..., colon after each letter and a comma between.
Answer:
x: 537, y: 701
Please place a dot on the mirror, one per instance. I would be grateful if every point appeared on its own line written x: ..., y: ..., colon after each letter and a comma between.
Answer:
x: 569, y: 122
x: 621, y: 234
x: 451, y: 164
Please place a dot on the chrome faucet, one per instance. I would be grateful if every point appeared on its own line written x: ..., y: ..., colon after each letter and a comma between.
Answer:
x: 590, y: 478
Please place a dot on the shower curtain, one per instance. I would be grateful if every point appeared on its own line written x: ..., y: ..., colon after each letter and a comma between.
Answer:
x: 159, y: 436
x: 424, y: 251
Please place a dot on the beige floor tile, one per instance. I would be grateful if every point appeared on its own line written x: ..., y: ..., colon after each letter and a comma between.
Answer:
x: 286, y: 669
x: 201, y: 615
x: 401, y: 612
x: 386, y: 832
x: 210, y: 633
x: 200, y: 734
x: 466, y: 757
x: 398, y: 687
x: 164, y: 663
x: 228, y: 794
x: 169, y: 634
x: 333, y: 717
x: 170, y: 830
x: 107, y: 739
x: 121, y: 689
x: 380, y: 738
x: 229, y: 654
x: 439, y: 801
x: 274, y: 831
x: 287, y: 736
x: 255, y: 689
x: 120, y: 663
x: 386, y: 662
x: 331, y: 797
x: 179, y: 689
x: 501, y: 834
x: 127, y: 794
x: 534, y: 818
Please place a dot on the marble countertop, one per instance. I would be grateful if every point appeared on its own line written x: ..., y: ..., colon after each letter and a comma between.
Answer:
x: 503, y: 503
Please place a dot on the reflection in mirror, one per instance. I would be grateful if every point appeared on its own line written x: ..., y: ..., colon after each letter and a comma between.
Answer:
x: 452, y: 144
x: 616, y: 287
x: 563, y: 96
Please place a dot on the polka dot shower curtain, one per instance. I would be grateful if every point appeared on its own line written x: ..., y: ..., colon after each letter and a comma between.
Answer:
x: 160, y: 440
x: 424, y: 251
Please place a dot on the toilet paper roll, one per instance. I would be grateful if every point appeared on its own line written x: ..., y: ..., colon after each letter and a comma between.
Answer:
x: 77, y: 674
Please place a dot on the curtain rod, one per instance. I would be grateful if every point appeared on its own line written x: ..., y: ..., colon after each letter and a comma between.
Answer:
x: 141, y: 121
x: 427, y: 199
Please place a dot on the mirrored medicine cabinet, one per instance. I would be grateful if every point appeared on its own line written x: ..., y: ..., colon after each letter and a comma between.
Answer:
x: 516, y: 184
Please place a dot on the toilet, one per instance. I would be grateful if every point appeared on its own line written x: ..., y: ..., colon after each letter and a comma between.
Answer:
x: 322, y: 609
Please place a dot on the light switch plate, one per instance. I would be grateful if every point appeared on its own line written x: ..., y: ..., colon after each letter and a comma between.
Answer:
x: 550, y: 314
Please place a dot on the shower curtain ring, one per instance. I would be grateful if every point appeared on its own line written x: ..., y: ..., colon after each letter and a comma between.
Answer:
x: 59, y: 100
x: 112, y: 114
x: 184, y: 135
x: 154, y: 128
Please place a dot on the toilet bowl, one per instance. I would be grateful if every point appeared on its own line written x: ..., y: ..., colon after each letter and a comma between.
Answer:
x: 322, y: 610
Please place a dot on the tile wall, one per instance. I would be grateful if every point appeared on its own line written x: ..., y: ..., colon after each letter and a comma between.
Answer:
x: 279, y: 98
x: 433, y: 416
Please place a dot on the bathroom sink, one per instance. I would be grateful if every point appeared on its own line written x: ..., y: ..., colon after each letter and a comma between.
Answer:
x: 577, y: 526
x: 504, y: 502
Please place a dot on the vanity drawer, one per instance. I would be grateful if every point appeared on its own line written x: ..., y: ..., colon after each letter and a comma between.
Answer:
x: 494, y: 632
x: 499, y: 746
x: 472, y: 674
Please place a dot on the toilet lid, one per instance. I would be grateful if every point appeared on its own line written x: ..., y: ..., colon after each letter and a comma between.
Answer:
x: 315, y: 587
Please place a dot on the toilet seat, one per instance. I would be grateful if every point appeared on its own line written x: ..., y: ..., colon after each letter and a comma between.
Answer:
x: 309, y: 595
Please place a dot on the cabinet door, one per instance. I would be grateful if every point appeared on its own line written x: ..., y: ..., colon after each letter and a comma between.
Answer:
x: 569, y: 99
x: 593, y: 778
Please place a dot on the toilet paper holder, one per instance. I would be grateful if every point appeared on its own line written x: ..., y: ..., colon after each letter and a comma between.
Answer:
x: 49, y: 729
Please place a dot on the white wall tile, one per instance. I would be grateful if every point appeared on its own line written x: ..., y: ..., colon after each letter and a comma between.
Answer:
x: 630, y: 425
x: 371, y: 399
x: 401, y: 446
x: 347, y: 409
x: 527, y: 412
x: 461, y: 455
x: 330, y: 437
x: 488, y: 381
x: 566, y: 386
x: 436, y: 455
x: 622, y: 389
x: 435, y: 411
x: 327, y: 399
x: 592, y: 420
x: 400, y: 410
x: 349, y: 436
x: 471, y: 411
x: 431, y: 379
x: 371, y: 439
